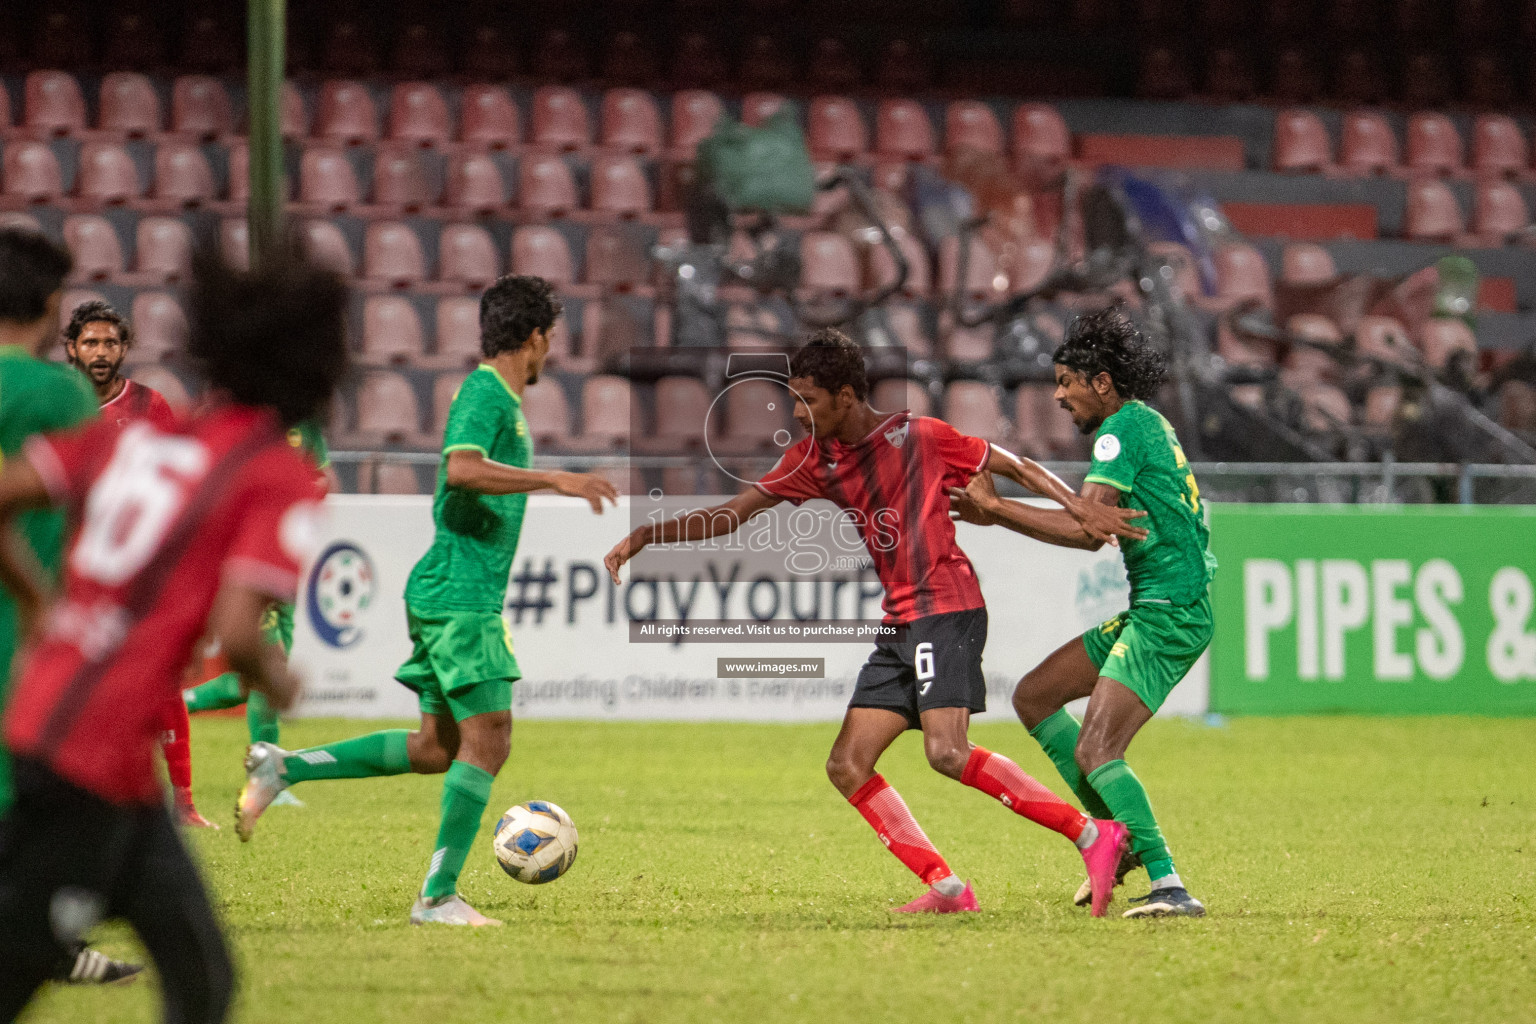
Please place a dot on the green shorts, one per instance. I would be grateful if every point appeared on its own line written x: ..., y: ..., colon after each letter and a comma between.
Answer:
x: 460, y: 662
x: 1151, y: 647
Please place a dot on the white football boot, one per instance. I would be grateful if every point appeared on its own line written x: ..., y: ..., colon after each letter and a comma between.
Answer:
x: 449, y: 910
x: 263, y: 782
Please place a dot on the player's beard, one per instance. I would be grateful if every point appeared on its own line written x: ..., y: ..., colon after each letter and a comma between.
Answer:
x: 101, y: 371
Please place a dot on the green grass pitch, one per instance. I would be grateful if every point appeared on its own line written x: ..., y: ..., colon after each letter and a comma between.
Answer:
x: 1355, y: 870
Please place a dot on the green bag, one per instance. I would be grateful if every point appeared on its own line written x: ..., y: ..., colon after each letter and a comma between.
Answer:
x: 765, y: 169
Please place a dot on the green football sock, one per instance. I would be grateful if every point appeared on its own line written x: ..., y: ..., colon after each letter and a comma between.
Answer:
x: 216, y: 694
x: 362, y: 757
x: 260, y: 720
x: 466, y: 791
x: 1126, y: 796
x: 1058, y: 736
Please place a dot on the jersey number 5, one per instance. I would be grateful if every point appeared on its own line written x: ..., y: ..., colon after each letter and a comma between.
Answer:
x: 922, y: 661
x: 133, y: 503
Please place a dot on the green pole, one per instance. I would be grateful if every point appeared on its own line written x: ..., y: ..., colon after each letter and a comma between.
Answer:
x: 266, y: 46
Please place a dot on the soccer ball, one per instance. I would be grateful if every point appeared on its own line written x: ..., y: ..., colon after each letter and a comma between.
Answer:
x: 535, y: 842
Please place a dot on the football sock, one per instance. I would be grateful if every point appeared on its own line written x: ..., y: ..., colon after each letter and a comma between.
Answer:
x: 887, y: 814
x: 952, y: 886
x: 362, y: 757
x: 1006, y: 782
x: 260, y: 720
x: 1172, y: 881
x: 1057, y: 735
x: 177, y: 747
x: 1126, y: 796
x: 216, y: 694
x: 466, y: 791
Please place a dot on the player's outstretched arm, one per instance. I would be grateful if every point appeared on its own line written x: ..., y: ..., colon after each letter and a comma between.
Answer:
x: 700, y: 524
x: 1099, y: 520
x: 235, y: 623
x: 469, y: 470
x: 979, y: 503
x: 20, y: 572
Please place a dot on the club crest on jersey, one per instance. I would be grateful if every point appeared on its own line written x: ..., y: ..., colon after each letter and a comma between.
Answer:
x: 898, y: 435
x: 1106, y: 448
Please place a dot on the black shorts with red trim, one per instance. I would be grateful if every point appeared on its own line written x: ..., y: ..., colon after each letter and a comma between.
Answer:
x: 937, y: 664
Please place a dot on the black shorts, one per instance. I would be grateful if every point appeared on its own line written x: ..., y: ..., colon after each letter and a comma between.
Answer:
x: 938, y: 665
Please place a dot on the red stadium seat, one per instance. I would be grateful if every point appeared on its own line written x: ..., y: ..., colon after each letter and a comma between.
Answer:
x: 54, y: 104
x: 1229, y: 75
x: 240, y: 174
x: 1443, y: 338
x: 543, y: 252
x: 548, y: 413
x: 419, y: 52
x: 133, y: 40
x: 896, y: 393
x: 620, y: 187
x: 605, y: 413
x: 755, y: 410
x: 981, y: 277
x: 559, y: 55
x: 765, y: 65
x: 73, y: 299
x: 295, y: 118
x: 328, y: 180
x: 327, y: 247
x: 1432, y: 213
x: 1358, y: 77
x: 682, y: 408
x: 1367, y: 144
x: 1434, y: 144
x: 827, y: 264
x: 694, y: 115
x: 488, y: 117
x: 971, y: 407
x: 1486, y: 81
x: 969, y: 124
x: 1301, y: 142
x: 182, y: 175
x: 163, y: 249
x: 209, y: 44
x: 200, y: 107
x: 836, y: 129
x: 908, y: 330
x: 107, y: 174
x: 159, y: 326
x: 1164, y: 74
x: 1296, y: 78
x: 1040, y: 420
x: 1040, y: 135
x: 1306, y: 263
x: 32, y: 172
x: 559, y: 119
x: 902, y: 129
x: 631, y: 121
x: 1499, y: 212
x: 1381, y: 406
x: 832, y: 66
x: 757, y: 107
x: 545, y: 185
x: 698, y: 62
x: 5, y: 107
x: 967, y: 344
x: 418, y: 114
x: 904, y: 68
x: 1324, y: 408
x: 387, y: 408
x: 381, y: 476
x: 391, y: 331
x: 1381, y: 338
x: 346, y: 113
x: 474, y: 183
x: 446, y: 385
x: 490, y: 54
x: 129, y: 106
x: 1498, y: 147
x: 629, y: 59
x: 400, y: 181
x: 392, y: 255
x: 466, y: 253
x: 1426, y: 80
x: 616, y: 258
x: 94, y: 244
x: 349, y: 48
x: 882, y: 267
x: 1242, y: 275
x: 458, y: 332
x: 235, y: 243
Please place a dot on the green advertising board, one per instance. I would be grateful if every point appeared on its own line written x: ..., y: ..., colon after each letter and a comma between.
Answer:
x: 1399, y: 609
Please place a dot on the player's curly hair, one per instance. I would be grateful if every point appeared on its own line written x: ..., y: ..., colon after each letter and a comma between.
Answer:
x: 272, y: 336
x: 97, y: 311
x: 1107, y: 342
x: 512, y: 309
x: 831, y: 359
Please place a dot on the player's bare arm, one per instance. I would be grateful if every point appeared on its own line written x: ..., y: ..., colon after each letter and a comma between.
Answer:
x: 235, y: 622
x: 468, y: 470
x: 1100, y: 520
x: 700, y: 524
x: 20, y: 572
x: 979, y: 503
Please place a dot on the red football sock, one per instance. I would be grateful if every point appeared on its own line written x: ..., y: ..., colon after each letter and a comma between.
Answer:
x: 177, y: 746
x: 887, y: 813
x: 999, y: 777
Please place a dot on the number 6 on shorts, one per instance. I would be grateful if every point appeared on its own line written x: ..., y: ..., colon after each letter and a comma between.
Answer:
x: 923, y: 662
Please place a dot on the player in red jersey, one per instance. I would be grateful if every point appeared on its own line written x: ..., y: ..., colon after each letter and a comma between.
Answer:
x: 97, y: 340
x: 178, y: 534
x: 892, y: 470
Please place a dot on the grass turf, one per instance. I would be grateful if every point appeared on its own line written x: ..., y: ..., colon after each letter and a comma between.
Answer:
x: 1355, y: 870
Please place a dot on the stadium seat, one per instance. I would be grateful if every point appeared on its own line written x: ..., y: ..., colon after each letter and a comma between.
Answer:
x: 53, y: 105
x: 971, y: 407
x: 164, y: 381
x: 387, y: 409
x: 1296, y: 78
x: 1306, y: 365
x: 419, y: 115
x: 1383, y: 339
x: 400, y: 181
x: 488, y: 117
x: 631, y: 122
x: 902, y: 129
x: 832, y: 66
x: 345, y: 112
x: 458, y: 331
x: 1426, y: 80
x: 200, y: 107
x: 6, y: 118
x: 444, y: 387
x: 694, y: 116
x: 1381, y: 406
x: 327, y: 180
x: 1229, y: 75
x: 543, y: 252
x: 133, y: 39
x: 1367, y: 144
x: 755, y: 410
x: 548, y: 413
x: 1324, y: 407
x: 1432, y: 213
x: 327, y: 247
x: 1442, y: 338
x: 828, y: 265
x: 1517, y: 405
x: 15, y: 220
x: 682, y: 408
x: 559, y: 56
x: 490, y: 54
x: 981, y: 277
x: 1163, y: 73
x: 1305, y: 263
x: 969, y: 124
x: 765, y: 65
x: 1301, y: 142
x: 94, y: 244
x: 882, y: 267
x: 235, y: 242
x: 1486, y: 81
x: 559, y: 120
x: 73, y: 298
x: 239, y: 156
x: 1038, y: 417
x: 349, y: 48
x: 629, y: 59
x: 1498, y: 146
x: 1434, y: 144
x: 617, y: 258
x: 605, y: 413
x: 967, y: 344
x: 836, y: 129
x: 419, y: 52
x: 466, y: 254
x: 620, y: 187
x: 32, y: 172
x: 698, y: 62
x: 908, y: 329
x: 757, y: 107
x: 182, y: 175
x: 129, y: 106
x: 904, y: 68
x: 209, y: 44
x: 392, y: 255
x: 159, y: 326
x: 474, y: 183
x: 382, y: 476
x: 107, y: 174
x: 1499, y: 213
x: 1242, y: 275
x: 896, y: 393
x: 545, y: 185
x: 295, y: 117
x: 163, y: 249
x: 391, y: 331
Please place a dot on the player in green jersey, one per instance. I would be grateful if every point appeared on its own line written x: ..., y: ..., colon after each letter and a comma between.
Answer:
x: 1127, y: 666
x: 462, y: 666
x: 36, y: 397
